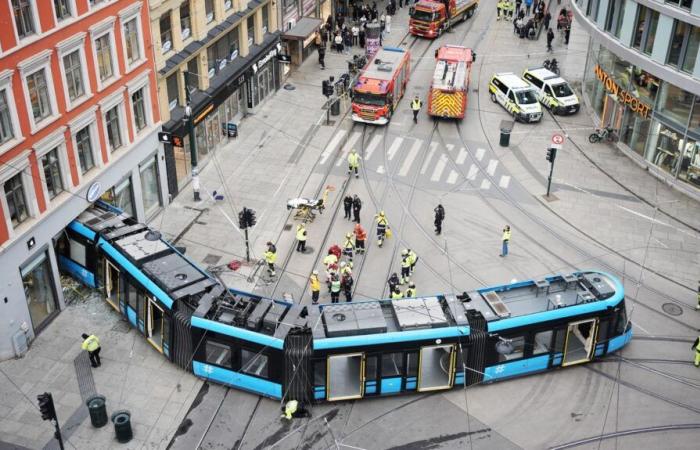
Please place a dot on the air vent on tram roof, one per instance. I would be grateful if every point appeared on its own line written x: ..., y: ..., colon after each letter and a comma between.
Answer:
x: 496, y: 304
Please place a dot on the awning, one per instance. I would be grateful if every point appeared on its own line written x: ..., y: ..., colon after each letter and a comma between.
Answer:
x: 303, y: 29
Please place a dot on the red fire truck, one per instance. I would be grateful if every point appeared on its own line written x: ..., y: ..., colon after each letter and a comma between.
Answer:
x: 448, y: 90
x: 380, y: 86
x: 429, y: 18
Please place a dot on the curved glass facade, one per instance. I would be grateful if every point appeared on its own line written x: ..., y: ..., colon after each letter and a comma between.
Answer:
x: 657, y: 119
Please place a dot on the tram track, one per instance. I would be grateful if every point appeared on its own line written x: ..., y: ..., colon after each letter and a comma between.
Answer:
x: 623, y: 433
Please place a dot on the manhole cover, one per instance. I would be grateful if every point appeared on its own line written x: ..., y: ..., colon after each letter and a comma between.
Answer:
x: 211, y: 259
x: 289, y: 87
x: 672, y: 309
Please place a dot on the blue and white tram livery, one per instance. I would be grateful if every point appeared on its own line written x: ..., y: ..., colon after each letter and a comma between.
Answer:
x: 336, y: 352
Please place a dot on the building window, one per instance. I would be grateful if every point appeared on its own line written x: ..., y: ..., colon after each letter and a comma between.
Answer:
x: 16, y: 201
x: 209, y: 9
x: 114, y: 136
x: 166, y: 33
x: 185, y: 21
x: 83, y: 145
x: 615, y: 9
x: 6, y: 129
x: 121, y: 196
x: 651, y: 32
x: 266, y: 18
x: 38, y: 282
x: 645, y: 29
x: 173, y: 90
x: 192, y: 78
x: 150, y: 187
x: 131, y: 38
x: 103, y: 49
x: 24, y: 17
x: 687, y: 4
x: 62, y: 9
x: 251, y: 29
x: 52, y: 173
x: 74, y: 75
x: 691, y: 50
x: 39, y: 95
x: 139, y: 107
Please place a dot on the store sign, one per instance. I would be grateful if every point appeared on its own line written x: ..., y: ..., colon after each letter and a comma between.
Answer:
x: 93, y: 192
x: 262, y: 61
x: 203, y: 114
x: 623, y: 96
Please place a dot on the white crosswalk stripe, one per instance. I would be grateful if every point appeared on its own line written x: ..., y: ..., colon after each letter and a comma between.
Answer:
x: 491, y: 169
x: 348, y: 145
x: 505, y: 181
x: 462, y: 156
x: 372, y: 146
x: 331, y: 146
x: 485, y: 184
x: 449, y: 147
x: 433, y: 147
x: 473, y: 170
x: 480, y: 152
x: 439, y: 167
x: 406, y: 166
x: 394, y: 148
x: 452, y: 177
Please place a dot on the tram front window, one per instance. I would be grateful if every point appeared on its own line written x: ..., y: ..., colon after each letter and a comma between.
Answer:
x: 365, y: 98
x: 426, y: 16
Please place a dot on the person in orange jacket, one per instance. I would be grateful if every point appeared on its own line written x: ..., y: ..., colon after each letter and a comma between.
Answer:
x: 360, y: 238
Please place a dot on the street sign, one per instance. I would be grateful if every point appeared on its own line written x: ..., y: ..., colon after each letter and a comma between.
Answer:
x: 165, y: 137
x: 557, y: 139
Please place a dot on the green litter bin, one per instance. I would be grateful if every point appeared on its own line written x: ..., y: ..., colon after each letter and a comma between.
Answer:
x: 98, y: 410
x: 122, y: 426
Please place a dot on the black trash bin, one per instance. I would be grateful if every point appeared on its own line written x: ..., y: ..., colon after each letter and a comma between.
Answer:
x: 122, y: 425
x: 506, y: 128
x: 98, y: 410
x: 335, y: 107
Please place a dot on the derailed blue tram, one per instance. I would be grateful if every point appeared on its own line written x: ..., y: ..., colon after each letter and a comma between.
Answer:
x: 345, y: 351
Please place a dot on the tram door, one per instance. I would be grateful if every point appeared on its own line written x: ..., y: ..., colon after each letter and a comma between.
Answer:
x: 345, y: 377
x: 580, y: 342
x: 155, y: 325
x: 112, y: 284
x: 436, y: 367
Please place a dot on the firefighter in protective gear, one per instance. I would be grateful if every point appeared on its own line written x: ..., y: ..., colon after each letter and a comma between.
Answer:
x: 396, y: 295
x: 315, y: 286
x: 270, y: 257
x: 331, y: 263
x: 348, y: 246
x: 345, y: 268
x: 335, y: 288
x: 301, y: 238
x: 91, y: 344
x: 289, y: 409
x: 411, y: 291
x: 353, y: 162
x: 415, y: 107
x: 405, y: 267
x: 413, y: 259
x: 382, y: 225
x: 360, y: 238
x: 696, y: 346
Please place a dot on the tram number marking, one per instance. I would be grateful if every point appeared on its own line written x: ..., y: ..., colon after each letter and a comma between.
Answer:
x: 208, y: 369
x: 500, y: 368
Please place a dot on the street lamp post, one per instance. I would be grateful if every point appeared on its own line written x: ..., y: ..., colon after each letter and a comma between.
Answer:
x: 193, y: 141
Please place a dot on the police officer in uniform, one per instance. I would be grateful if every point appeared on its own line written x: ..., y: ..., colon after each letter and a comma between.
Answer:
x: 393, y: 282
x: 347, y: 207
x: 91, y: 344
x: 396, y: 295
x: 405, y: 267
x: 415, y: 107
x: 353, y: 162
x: 315, y: 286
x: 412, y: 259
x: 335, y: 288
x: 301, y: 238
x: 270, y: 258
x: 439, y: 217
x: 411, y: 291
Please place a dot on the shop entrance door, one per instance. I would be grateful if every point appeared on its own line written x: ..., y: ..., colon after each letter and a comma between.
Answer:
x: 264, y: 81
x: 612, y: 112
x: 112, y: 284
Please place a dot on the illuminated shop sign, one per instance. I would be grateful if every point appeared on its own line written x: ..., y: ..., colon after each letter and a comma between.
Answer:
x: 625, y: 97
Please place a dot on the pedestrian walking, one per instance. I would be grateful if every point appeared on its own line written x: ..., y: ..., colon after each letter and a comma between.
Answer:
x: 396, y: 294
x: 356, y: 207
x: 387, y: 25
x: 363, y: 37
x: 346, y: 284
x: 550, y: 38
x: 411, y: 291
x: 91, y: 344
x: 415, y: 107
x: 338, y: 42
x: 347, y: 206
x: 301, y: 238
x: 696, y: 346
x: 355, y: 35
x: 405, y: 267
x: 360, y: 238
x: 335, y: 288
x: 348, y: 247
x: 324, y: 36
x: 353, y: 162
x: 393, y: 282
x: 567, y: 33
x: 322, y: 57
x: 412, y: 259
x: 505, y: 239
x: 439, y: 217
x: 547, y: 19
x: 315, y: 286
x: 382, y: 225
x: 270, y: 257
x: 528, y: 5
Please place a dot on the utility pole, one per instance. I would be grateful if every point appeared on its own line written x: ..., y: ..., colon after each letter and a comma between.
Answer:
x: 551, y: 156
x: 193, y: 141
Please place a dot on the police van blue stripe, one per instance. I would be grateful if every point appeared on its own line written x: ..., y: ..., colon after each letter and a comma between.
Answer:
x: 239, y: 333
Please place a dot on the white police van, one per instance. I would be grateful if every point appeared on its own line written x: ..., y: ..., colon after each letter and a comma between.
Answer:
x: 553, y: 91
x: 516, y: 96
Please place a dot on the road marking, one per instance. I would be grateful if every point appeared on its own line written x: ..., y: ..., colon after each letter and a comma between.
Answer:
x: 406, y: 166
x: 462, y: 156
x: 380, y: 169
x: 505, y: 181
x: 394, y: 148
x: 661, y: 243
x: 433, y: 147
x: 439, y: 167
x: 480, y: 153
x: 473, y: 170
x: 372, y: 147
x: 331, y: 146
x: 348, y: 145
x: 485, y: 184
x: 452, y: 177
x: 491, y: 169
x: 449, y: 147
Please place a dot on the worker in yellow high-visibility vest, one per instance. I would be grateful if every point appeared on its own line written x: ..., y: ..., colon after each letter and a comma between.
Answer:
x: 91, y: 344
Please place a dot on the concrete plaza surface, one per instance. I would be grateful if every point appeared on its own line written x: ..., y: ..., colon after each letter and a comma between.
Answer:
x: 599, y: 219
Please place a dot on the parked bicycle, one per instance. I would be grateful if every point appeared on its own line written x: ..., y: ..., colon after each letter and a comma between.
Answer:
x: 607, y: 134
x: 552, y: 65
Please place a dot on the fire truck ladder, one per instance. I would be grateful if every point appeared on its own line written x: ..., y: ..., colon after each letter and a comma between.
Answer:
x: 447, y: 77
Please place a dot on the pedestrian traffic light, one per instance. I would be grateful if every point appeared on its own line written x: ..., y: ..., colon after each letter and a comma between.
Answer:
x: 551, y: 154
x: 242, y: 220
x: 48, y: 412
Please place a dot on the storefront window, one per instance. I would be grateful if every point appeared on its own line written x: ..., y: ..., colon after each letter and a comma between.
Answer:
x: 38, y: 282
x: 691, y: 50
x: 689, y: 162
x: 674, y: 103
x: 594, y: 88
x: 172, y: 88
x: 183, y: 162
x: 150, y: 186
x: 121, y: 196
x: 634, y: 131
x: 663, y: 146
x: 200, y: 133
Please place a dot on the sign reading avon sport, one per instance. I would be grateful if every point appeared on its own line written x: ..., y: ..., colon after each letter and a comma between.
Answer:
x: 623, y: 96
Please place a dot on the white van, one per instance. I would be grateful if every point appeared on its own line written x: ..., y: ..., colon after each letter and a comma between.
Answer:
x: 553, y: 91
x: 516, y: 96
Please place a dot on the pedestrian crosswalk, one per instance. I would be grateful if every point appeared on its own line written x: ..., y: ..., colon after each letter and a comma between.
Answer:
x: 448, y: 163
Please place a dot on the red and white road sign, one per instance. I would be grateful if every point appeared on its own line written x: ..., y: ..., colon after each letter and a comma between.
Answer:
x: 557, y: 139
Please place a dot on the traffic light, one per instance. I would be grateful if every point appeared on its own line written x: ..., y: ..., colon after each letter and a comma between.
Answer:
x: 250, y: 218
x: 242, y: 220
x: 48, y: 412
x: 551, y: 154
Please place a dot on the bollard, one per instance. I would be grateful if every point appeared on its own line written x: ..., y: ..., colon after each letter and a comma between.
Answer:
x: 506, y: 128
x: 122, y: 426
x: 98, y: 410
x: 335, y: 107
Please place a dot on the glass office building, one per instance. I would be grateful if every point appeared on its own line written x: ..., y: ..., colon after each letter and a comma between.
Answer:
x: 642, y: 77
